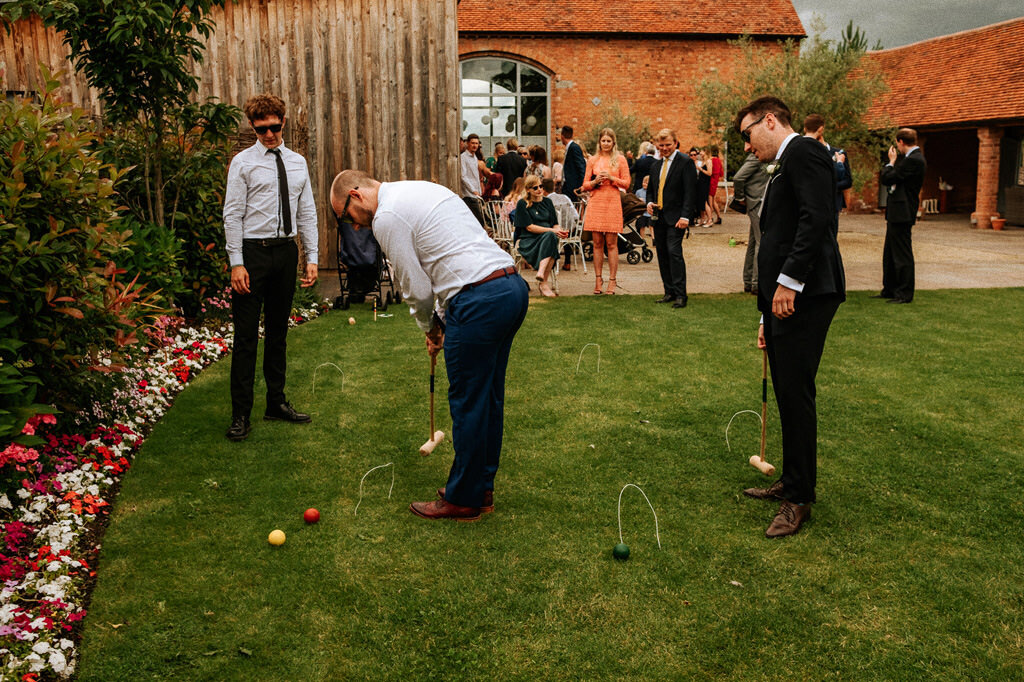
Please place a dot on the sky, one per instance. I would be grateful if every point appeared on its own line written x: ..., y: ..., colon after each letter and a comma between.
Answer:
x: 901, y: 22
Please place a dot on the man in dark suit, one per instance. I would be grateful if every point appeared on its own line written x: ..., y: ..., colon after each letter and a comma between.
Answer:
x: 814, y: 126
x: 575, y: 165
x: 671, y: 200
x: 800, y: 286
x: 511, y: 165
x: 642, y: 167
x: 904, y: 175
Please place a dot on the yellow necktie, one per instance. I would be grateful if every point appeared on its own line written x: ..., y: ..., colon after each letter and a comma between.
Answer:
x: 661, y: 182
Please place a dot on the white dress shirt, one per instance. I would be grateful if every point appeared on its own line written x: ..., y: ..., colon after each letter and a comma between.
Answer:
x: 785, y: 280
x: 434, y: 243
x: 470, y: 175
x: 252, y: 201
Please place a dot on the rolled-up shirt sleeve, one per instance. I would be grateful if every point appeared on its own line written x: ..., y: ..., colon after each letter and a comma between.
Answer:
x: 234, y: 213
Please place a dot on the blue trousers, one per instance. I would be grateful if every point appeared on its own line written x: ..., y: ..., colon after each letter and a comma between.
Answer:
x: 480, y: 324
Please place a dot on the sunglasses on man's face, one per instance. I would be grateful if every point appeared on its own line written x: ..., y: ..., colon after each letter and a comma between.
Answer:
x: 262, y: 130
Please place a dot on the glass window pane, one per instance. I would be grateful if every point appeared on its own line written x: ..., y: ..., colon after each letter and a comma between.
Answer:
x: 535, y: 115
x: 532, y: 80
x: 498, y: 74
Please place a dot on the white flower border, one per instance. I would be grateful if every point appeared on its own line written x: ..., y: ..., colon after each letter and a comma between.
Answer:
x: 36, y: 649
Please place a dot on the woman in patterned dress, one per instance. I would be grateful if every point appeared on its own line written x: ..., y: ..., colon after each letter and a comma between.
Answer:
x: 537, y: 232
x: 607, y: 173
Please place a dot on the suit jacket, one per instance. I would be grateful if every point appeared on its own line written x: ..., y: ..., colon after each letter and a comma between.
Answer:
x: 680, y: 195
x: 904, y: 179
x: 798, y: 225
x: 641, y: 169
x: 844, y: 176
x: 511, y: 166
x: 573, y: 169
x: 749, y: 182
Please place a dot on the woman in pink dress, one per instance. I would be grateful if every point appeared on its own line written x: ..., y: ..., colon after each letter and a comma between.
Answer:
x: 607, y: 173
x: 716, y: 175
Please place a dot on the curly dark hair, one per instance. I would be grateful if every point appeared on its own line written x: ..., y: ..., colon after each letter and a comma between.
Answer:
x: 264, y: 106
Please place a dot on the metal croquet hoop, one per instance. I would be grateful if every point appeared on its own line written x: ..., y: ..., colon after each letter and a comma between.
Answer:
x: 657, y: 535
x: 381, y: 466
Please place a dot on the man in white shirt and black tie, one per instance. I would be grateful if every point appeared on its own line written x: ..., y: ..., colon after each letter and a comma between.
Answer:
x: 267, y: 201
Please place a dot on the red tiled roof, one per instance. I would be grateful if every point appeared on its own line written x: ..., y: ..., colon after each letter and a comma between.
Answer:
x: 965, y: 77
x: 653, y: 17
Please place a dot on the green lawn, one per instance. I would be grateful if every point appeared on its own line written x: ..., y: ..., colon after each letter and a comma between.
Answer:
x: 912, y: 566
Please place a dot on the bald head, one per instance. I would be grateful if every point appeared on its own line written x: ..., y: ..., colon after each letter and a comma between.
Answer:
x: 354, y: 192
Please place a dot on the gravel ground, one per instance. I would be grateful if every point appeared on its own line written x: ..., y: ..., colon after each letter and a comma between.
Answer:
x: 948, y: 253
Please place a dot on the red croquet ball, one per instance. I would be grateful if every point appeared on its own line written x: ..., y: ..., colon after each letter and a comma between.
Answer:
x: 311, y: 515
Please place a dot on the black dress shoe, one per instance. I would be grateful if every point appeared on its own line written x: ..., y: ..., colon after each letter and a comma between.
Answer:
x: 667, y: 298
x: 898, y: 300
x: 881, y: 296
x: 286, y: 413
x: 680, y: 302
x: 239, y: 429
x: 746, y: 288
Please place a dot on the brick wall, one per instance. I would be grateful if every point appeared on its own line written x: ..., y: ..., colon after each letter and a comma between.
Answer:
x: 654, y: 78
x: 988, y: 176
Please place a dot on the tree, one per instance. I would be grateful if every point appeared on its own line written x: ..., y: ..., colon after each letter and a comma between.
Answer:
x: 630, y: 129
x: 820, y: 78
x: 137, y: 54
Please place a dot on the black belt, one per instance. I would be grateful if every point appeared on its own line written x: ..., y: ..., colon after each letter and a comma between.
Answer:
x: 510, y: 270
x: 275, y: 241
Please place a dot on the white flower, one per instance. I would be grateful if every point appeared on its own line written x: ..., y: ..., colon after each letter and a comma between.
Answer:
x: 5, y: 503
x: 772, y: 168
x: 41, y: 647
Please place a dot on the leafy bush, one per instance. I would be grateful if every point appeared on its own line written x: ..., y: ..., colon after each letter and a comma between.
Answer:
x: 630, y: 129
x: 58, y: 249
x: 195, y: 175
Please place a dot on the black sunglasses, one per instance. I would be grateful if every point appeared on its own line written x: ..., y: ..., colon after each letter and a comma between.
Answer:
x: 344, y: 209
x: 262, y: 130
x: 745, y: 133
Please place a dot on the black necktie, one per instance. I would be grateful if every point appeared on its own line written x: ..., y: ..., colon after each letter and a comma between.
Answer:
x: 282, y: 184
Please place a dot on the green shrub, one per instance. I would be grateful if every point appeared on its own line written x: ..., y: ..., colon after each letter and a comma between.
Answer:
x: 630, y: 129
x: 195, y: 176
x: 154, y: 255
x: 58, y: 252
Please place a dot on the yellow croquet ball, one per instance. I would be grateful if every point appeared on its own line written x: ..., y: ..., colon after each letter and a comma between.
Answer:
x: 351, y: 320
x: 276, y: 538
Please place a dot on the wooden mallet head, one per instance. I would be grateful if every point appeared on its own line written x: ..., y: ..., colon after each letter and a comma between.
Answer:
x: 762, y: 466
x: 434, y: 441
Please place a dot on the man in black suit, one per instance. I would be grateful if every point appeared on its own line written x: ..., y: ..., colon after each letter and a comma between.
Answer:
x: 671, y: 200
x: 800, y: 286
x: 511, y: 165
x: 642, y: 167
x: 814, y: 126
x: 904, y: 175
x: 575, y: 165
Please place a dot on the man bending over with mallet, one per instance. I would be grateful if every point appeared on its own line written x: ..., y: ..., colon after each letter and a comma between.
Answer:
x: 465, y: 294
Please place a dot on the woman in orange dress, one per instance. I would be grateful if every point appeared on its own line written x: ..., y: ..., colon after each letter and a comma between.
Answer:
x: 607, y: 172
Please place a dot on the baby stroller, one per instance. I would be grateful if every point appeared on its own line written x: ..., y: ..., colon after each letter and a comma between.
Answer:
x: 363, y: 270
x: 630, y: 242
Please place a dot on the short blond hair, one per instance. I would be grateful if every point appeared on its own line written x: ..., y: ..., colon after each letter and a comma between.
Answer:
x: 665, y: 134
x: 348, y: 180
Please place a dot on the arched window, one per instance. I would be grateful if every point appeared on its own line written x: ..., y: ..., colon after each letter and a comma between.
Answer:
x: 502, y: 98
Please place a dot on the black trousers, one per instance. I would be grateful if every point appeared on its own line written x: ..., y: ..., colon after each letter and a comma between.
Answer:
x: 898, y: 262
x: 794, y: 349
x: 272, y: 271
x: 668, y: 244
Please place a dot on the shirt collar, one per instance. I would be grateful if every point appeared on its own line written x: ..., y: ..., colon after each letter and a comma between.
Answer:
x: 785, y: 143
x: 263, y: 150
x: 911, y: 150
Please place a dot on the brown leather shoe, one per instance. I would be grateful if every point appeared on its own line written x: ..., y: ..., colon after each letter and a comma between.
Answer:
x: 772, y: 492
x: 488, y: 505
x: 439, y: 509
x: 788, y: 519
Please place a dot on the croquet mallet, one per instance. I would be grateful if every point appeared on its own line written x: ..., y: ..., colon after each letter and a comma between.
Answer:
x: 757, y: 462
x: 435, y: 436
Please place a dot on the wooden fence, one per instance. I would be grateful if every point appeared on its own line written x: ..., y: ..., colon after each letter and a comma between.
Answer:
x: 370, y: 84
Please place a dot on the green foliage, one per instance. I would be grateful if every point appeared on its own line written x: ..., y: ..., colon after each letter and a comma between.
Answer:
x: 819, y: 78
x: 58, y: 247
x: 195, y: 172
x: 630, y: 129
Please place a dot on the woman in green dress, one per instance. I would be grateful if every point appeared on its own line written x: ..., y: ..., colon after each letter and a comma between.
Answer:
x: 537, y: 232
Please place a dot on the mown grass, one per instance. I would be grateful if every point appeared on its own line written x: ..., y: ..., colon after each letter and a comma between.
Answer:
x: 912, y: 566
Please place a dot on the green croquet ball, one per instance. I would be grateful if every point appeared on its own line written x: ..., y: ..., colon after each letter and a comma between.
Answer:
x: 621, y: 551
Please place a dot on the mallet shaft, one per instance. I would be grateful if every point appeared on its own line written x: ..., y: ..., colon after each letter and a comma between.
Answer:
x: 764, y: 400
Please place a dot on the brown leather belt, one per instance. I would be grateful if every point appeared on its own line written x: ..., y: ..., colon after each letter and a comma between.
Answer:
x: 510, y: 270
x: 275, y: 241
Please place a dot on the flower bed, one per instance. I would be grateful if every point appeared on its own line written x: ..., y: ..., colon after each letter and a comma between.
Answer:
x: 59, y: 494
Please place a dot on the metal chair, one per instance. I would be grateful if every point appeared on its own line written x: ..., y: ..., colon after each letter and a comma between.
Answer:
x: 569, y: 221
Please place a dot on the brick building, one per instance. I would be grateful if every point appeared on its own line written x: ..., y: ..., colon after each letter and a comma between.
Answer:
x: 531, y: 66
x: 962, y: 93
